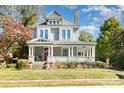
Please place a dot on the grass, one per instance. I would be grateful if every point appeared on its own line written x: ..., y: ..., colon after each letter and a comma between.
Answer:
x: 67, y: 77
x: 13, y: 74
x: 63, y: 83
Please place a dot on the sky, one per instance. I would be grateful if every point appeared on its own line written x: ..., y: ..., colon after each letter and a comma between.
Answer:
x: 91, y: 17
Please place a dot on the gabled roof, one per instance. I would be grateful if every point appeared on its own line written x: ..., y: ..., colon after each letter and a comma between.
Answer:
x: 54, y: 15
x: 37, y: 40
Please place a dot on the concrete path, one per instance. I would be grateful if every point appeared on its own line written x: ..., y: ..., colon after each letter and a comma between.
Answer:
x: 79, y: 89
x: 60, y: 80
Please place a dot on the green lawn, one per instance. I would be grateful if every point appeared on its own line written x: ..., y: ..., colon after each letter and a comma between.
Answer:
x: 13, y: 74
x: 67, y: 77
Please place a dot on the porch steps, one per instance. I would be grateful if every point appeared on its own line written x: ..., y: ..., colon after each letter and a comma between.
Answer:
x: 37, y: 65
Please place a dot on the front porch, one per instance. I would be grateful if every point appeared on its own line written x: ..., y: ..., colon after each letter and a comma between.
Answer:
x: 61, y: 53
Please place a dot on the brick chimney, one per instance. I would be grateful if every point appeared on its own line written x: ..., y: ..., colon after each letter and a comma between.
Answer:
x: 75, y: 17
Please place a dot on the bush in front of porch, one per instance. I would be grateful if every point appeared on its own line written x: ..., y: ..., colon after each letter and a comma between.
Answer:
x: 95, y: 64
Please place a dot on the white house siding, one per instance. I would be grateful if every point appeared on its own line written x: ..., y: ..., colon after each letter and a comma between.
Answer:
x: 34, y: 33
x: 53, y: 34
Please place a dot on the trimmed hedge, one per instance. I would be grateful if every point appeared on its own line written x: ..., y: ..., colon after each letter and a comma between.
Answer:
x: 96, y: 64
x: 22, y: 64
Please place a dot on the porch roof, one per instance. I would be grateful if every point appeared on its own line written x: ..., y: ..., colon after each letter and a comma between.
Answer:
x: 41, y: 41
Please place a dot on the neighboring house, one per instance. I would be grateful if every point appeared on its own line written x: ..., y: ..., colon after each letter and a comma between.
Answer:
x: 56, y: 39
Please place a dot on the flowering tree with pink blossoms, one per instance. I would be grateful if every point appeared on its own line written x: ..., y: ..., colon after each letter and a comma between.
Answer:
x: 12, y: 31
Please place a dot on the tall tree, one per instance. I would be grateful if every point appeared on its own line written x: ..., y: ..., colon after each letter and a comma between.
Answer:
x: 104, y: 41
x: 5, y: 10
x: 28, y: 14
x: 13, y: 31
x: 86, y: 37
x: 117, y: 58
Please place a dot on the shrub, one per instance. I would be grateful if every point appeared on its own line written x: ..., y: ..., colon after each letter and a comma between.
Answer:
x: 96, y: 64
x: 22, y: 63
x: 117, y: 60
x: 11, y: 65
x: 3, y: 65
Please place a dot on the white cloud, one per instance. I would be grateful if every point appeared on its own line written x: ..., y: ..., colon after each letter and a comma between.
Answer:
x: 95, y: 18
x: 89, y: 28
x: 106, y: 12
x: 121, y: 7
x: 72, y: 7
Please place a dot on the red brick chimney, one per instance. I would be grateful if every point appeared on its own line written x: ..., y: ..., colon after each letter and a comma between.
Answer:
x: 75, y: 17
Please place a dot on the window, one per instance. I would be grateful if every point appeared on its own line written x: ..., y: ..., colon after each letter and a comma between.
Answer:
x: 63, y: 34
x: 46, y: 34
x: 65, y: 52
x: 54, y: 22
x: 41, y: 33
x: 57, y: 22
x: 68, y: 34
x: 50, y: 22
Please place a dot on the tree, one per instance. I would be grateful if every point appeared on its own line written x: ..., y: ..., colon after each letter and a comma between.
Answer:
x: 28, y: 14
x: 104, y: 41
x: 117, y: 58
x: 6, y: 10
x: 13, y: 31
x: 86, y: 37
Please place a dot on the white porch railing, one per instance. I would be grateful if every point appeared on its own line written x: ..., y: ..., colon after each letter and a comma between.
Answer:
x: 31, y: 58
x: 66, y: 58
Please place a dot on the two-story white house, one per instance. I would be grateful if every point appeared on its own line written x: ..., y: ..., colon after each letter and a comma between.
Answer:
x: 57, y: 39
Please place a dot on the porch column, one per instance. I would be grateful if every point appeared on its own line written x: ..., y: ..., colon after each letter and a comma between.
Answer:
x: 52, y: 51
x: 49, y: 51
x: 32, y: 51
x: 77, y: 51
x: 29, y: 51
x: 69, y: 51
x: 83, y: 53
x: 93, y: 51
x: 72, y: 51
x: 87, y: 53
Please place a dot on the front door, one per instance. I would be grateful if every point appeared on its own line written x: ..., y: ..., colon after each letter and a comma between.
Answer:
x: 45, y: 54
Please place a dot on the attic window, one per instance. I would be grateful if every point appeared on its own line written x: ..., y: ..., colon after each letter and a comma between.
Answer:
x: 57, y: 22
x: 54, y: 22
x: 50, y: 22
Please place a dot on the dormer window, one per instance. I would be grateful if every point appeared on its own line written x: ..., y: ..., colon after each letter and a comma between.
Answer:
x: 50, y: 22
x: 57, y: 22
x: 54, y: 22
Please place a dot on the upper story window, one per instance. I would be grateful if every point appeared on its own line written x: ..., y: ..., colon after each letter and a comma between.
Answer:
x: 68, y: 34
x: 63, y: 34
x: 41, y: 33
x: 46, y: 34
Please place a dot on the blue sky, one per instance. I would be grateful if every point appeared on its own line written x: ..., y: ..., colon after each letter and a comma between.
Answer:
x: 90, y: 17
